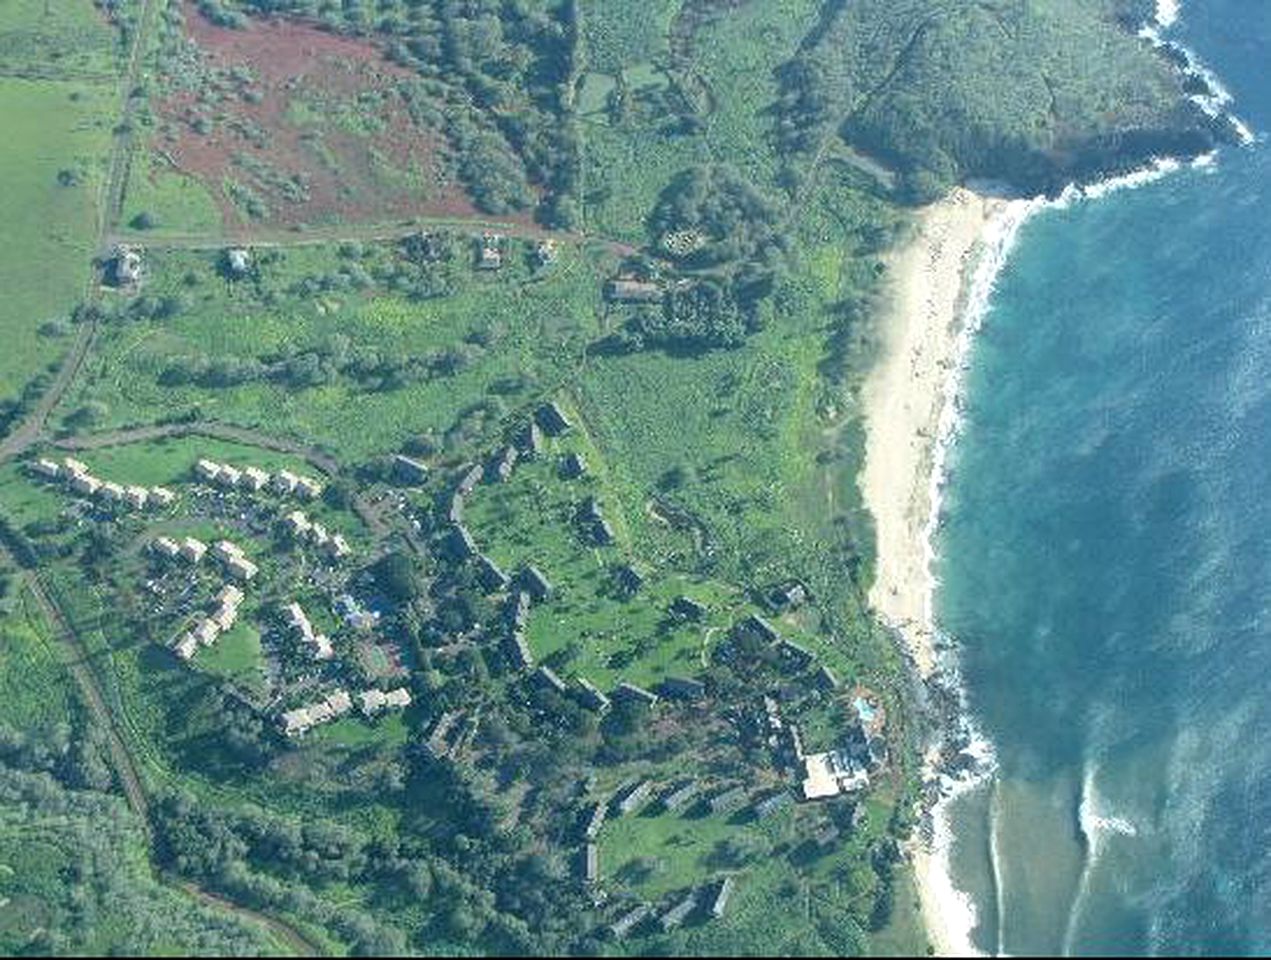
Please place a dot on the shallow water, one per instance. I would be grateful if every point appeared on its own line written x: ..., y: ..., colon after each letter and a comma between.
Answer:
x: 1105, y: 557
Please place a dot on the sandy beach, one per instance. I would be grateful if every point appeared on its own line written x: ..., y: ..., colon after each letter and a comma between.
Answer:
x: 931, y: 279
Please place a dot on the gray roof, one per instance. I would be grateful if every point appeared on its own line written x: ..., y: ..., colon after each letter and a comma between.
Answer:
x: 682, y: 688
x: 548, y: 678
x: 596, y: 820
x: 636, y: 797
x: 591, y: 695
x: 552, y: 419
x: 410, y: 469
x: 720, y: 902
x: 678, y: 913
x: 628, y: 921
x: 630, y: 692
x: 535, y: 583
x: 680, y: 796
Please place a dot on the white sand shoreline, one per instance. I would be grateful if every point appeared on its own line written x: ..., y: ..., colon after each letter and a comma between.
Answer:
x: 907, y: 400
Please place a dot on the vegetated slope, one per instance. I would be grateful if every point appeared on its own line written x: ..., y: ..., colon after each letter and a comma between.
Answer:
x: 1034, y: 92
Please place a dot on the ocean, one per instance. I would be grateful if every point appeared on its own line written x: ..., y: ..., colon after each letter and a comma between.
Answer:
x: 1104, y: 557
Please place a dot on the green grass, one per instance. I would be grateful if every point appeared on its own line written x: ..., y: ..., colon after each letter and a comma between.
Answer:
x: 39, y: 39
x: 617, y: 32
x: 178, y: 203
x: 236, y: 655
x: 50, y: 126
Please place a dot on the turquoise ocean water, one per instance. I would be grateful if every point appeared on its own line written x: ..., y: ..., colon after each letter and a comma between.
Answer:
x: 1105, y: 557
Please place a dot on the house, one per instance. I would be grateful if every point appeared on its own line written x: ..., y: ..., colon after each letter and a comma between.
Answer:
x: 297, y: 524
x: 437, y: 746
x: 470, y: 479
x: 727, y: 801
x: 76, y: 468
x: 454, y: 513
x: 136, y: 497
x: 552, y: 419
x: 719, y: 903
x: 826, y: 680
x: 373, y: 701
x: 635, y: 798
x: 686, y: 608
x: 186, y: 646
x: 547, y: 677
x: 85, y: 484
x: 240, y: 568
x: 228, y: 476
x: 492, y: 578
x: 630, y: 693
x: 226, y: 550
x: 253, y: 479
x: 590, y: 863
x: 531, y: 442
x: 409, y: 470
x: 228, y: 596
x: 162, y: 497
x: 519, y: 610
x: 354, y: 614
x: 623, y: 926
x: 591, y: 696
x: 682, y: 688
x: 627, y: 290
x: 398, y: 698
x: 319, y: 535
x: 193, y: 550
x: 489, y: 253
x: 207, y: 470
x: 307, y: 488
x: 831, y: 773
x: 338, y: 548
x: 46, y: 468
x: 536, y: 585
x: 793, y: 655
x: 679, y: 797
x: 759, y: 628
x: 125, y: 265
x: 284, y: 481
x: 166, y: 547
x: 503, y: 465
x: 238, y: 262
x: 772, y: 805
x: 628, y: 579
x: 462, y: 545
x: 595, y: 820
x: 296, y: 722
x: 602, y: 533
x: 340, y: 702
x: 788, y: 596
x: 573, y: 466
x: 678, y: 913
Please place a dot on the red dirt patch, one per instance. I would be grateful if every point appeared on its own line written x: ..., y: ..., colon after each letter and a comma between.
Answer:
x: 289, y: 125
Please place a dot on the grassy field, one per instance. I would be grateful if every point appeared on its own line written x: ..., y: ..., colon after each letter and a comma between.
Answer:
x: 35, y: 690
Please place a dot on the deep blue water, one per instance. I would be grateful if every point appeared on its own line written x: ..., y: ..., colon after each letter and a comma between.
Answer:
x: 1106, y: 557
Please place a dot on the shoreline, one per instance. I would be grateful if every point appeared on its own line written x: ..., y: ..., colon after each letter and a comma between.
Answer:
x: 939, y: 285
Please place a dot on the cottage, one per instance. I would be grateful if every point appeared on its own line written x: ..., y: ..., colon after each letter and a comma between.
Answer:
x: 772, y: 805
x: 536, y: 584
x: 628, y: 579
x: 125, y: 265
x: 166, y: 547
x: 253, y: 479
x: 240, y: 568
x: 85, y: 484
x: 226, y: 550
x: 284, y: 481
x: 595, y: 820
x: 237, y: 262
x: 794, y: 655
x: 462, y: 545
x: 489, y: 253
x: 297, y: 524
x: 686, y: 608
x: 573, y: 466
x: 207, y: 470
x: 826, y: 679
x: 193, y: 550
x: 520, y: 650
x: 679, y: 797
x: 552, y: 419
x: 719, y: 902
x: 205, y: 632
x: 548, y: 678
x: 678, y: 913
x: 76, y: 468
x: 682, y: 688
x: 590, y: 863
x: 110, y: 491
x: 630, y: 693
x: 627, y: 290
x: 307, y: 488
x: 162, y: 497
x: 319, y: 535
x: 591, y: 696
x: 409, y: 470
x: 727, y: 801
x: 491, y: 577
x: 229, y: 476
x: 46, y: 468
x: 622, y: 927
x: 602, y: 534
x: 635, y: 798
x: 503, y: 464
x: 788, y: 596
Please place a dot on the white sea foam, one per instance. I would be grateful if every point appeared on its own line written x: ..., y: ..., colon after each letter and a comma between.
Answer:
x: 1167, y: 12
